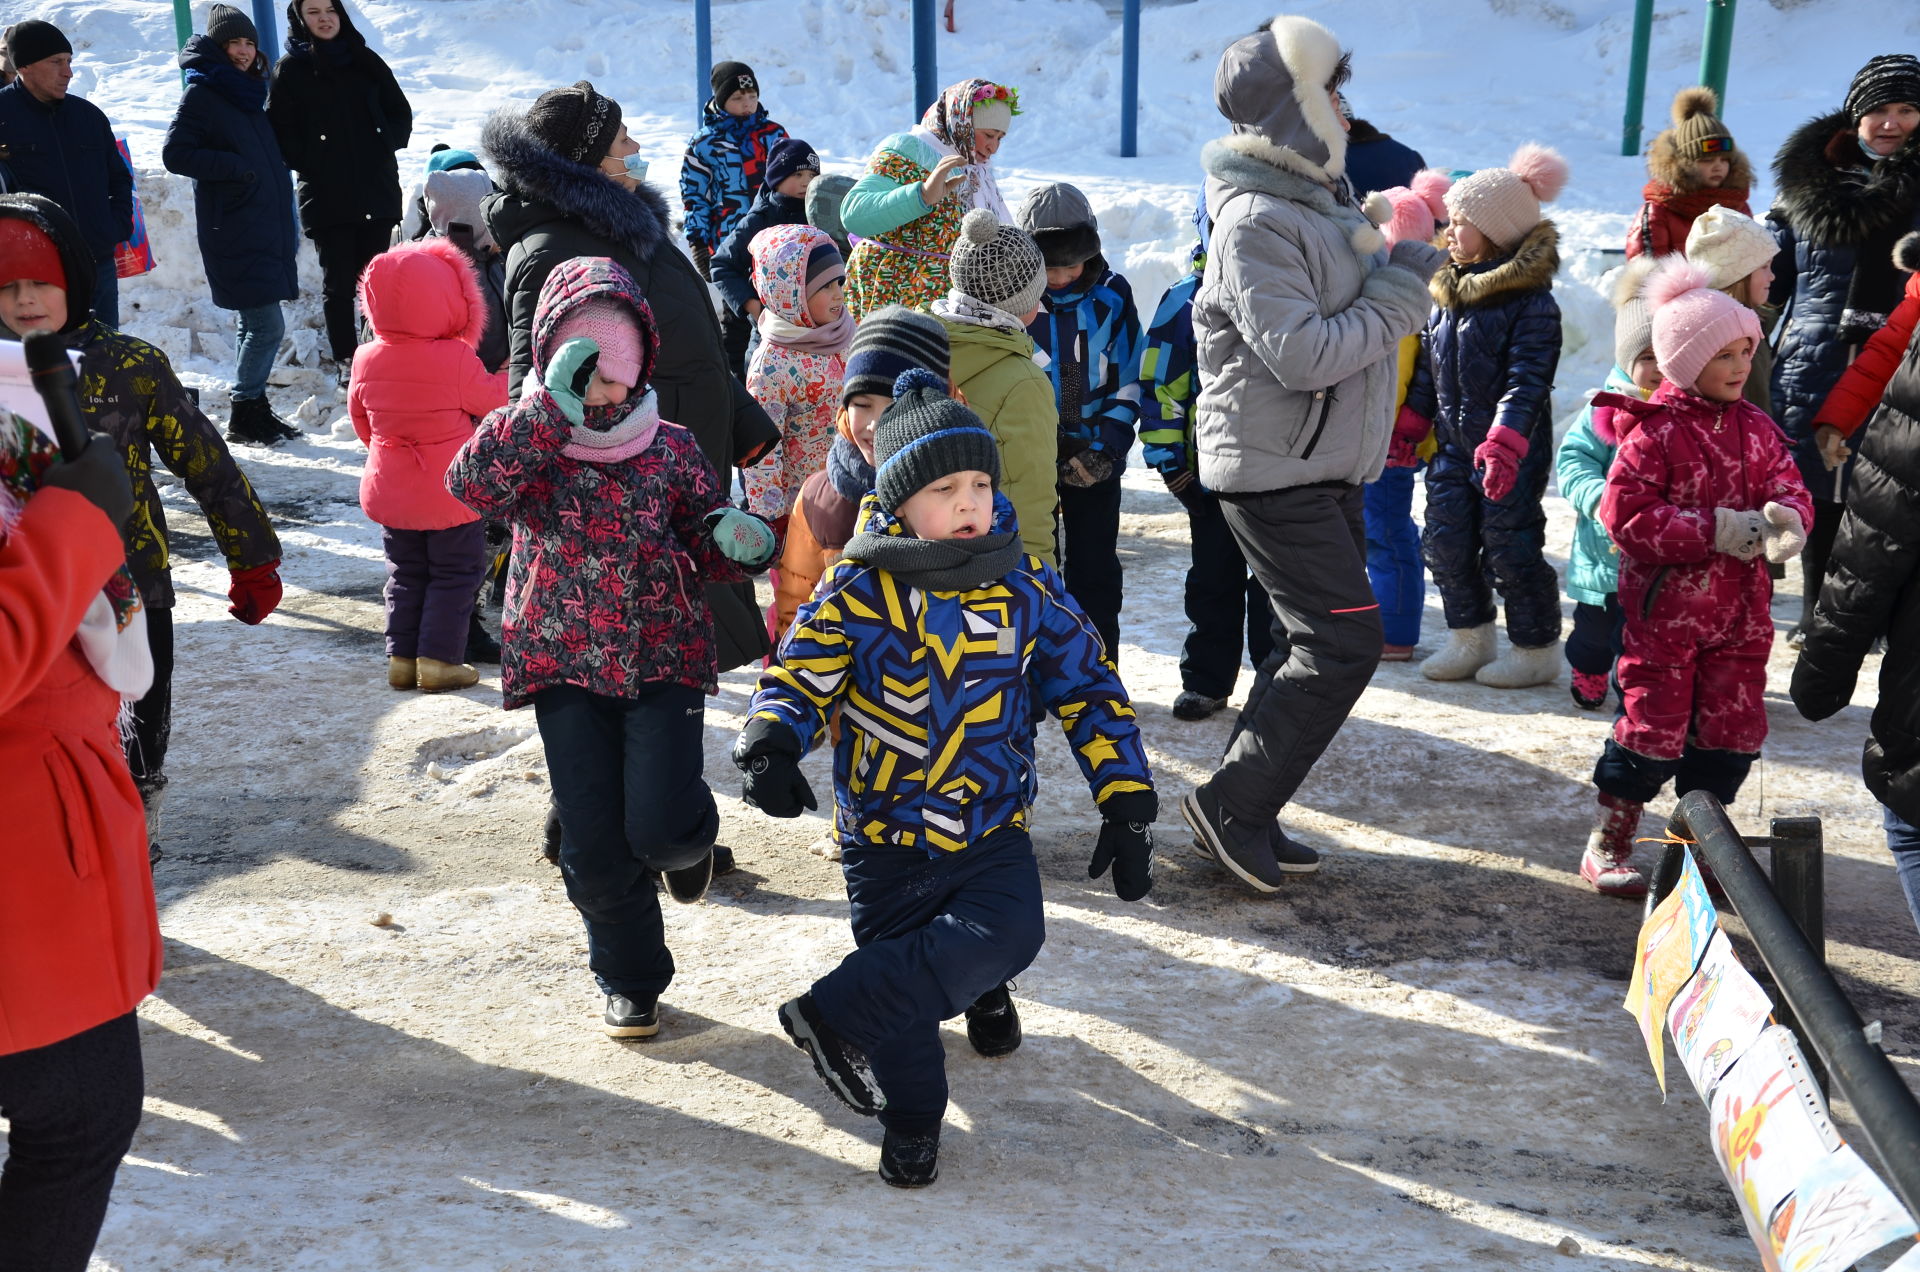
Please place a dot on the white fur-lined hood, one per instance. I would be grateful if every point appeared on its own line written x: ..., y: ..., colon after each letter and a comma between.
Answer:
x: 1273, y: 84
x: 1246, y: 161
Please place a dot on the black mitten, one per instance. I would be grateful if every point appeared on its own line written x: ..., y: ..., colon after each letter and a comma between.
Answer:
x: 1126, y: 843
x: 773, y: 782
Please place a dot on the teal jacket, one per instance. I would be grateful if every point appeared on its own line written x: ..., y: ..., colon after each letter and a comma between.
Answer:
x: 1585, y: 455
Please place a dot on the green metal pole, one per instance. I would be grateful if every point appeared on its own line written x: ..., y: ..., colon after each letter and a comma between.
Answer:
x: 1637, y: 77
x: 182, y: 30
x: 1716, y: 49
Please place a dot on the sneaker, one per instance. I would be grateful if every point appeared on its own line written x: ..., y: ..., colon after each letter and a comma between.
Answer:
x: 993, y: 1023
x: 1195, y: 706
x: 840, y: 1064
x: 689, y: 883
x: 632, y: 1017
x: 910, y: 1161
x: 1241, y: 848
x: 1590, y: 690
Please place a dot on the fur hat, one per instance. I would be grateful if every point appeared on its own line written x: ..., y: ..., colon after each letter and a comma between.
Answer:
x: 227, y: 23
x: 1415, y: 211
x: 1273, y: 85
x: 1062, y: 222
x: 1697, y: 134
x: 577, y: 123
x: 1906, y: 253
x: 1891, y: 77
x: 626, y: 353
x: 1632, y: 320
x: 728, y: 78
x: 997, y: 265
x: 1504, y: 203
x: 891, y: 340
x: 924, y: 436
x: 1691, y: 321
x: 1729, y: 245
x: 35, y: 41
x: 454, y: 195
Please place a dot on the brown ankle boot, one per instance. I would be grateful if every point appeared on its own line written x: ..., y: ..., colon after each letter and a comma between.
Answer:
x: 1608, y: 862
x: 403, y: 673
x: 437, y: 676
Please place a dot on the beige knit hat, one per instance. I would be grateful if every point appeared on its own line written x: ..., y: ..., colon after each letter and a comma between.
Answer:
x: 1504, y: 203
x: 997, y: 265
x: 1729, y: 245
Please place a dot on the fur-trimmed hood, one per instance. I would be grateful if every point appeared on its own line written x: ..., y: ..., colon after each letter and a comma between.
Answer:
x: 1530, y: 268
x: 424, y: 290
x: 538, y: 184
x: 1906, y: 253
x: 1821, y: 192
x: 1245, y: 161
x: 1274, y: 85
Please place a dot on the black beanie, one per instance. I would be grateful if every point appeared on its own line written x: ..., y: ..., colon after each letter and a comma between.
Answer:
x: 890, y: 340
x: 924, y: 436
x: 577, y: 123
x: 1891, y: 77
x: 35, y: 41
x: 228, y: 23
x: 728, y: 78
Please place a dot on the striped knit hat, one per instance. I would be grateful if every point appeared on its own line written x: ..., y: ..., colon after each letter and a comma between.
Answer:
x: 1891, y: 77
x: 891, y: 340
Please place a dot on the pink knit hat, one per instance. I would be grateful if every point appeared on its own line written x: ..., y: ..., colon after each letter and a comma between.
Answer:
x: 611, y: 325
x: 1691, y: 321
x: 1504, y: 203
x: 1417, y: 208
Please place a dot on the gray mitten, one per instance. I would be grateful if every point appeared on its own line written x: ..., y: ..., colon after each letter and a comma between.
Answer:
x: 1739, y: 532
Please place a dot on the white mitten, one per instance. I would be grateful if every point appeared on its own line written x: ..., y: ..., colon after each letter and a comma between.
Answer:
x: 1785, y: 535
x: 1738, y: 532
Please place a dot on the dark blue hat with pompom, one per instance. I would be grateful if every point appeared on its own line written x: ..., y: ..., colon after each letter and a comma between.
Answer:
x: 924, y: 436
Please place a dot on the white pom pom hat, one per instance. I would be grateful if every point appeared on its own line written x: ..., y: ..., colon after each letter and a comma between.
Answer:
x: 1504, y: 203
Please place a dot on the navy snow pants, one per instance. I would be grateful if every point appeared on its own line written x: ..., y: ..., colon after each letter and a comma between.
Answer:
x: 1475, y: 546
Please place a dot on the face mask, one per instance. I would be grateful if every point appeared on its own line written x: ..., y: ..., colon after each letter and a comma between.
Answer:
x: 636, y: 166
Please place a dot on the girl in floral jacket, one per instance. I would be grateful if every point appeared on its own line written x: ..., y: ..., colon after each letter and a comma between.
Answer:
x: 618, y: 524
x: 796, y: 372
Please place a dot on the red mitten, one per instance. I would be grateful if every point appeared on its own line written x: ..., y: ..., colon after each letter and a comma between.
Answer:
x: 255, y: 592
x: 1497, y: 460
x: 1411, y: 427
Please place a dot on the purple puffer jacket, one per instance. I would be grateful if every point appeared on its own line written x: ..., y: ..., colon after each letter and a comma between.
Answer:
x: 609, y: 560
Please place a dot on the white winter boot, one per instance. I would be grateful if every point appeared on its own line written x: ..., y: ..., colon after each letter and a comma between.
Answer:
x: 1468, y: 649
x: 1522, y: 668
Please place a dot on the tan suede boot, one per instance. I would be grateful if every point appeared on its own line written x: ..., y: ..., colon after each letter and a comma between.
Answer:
x: 438, y: 677
x: 403, y: 673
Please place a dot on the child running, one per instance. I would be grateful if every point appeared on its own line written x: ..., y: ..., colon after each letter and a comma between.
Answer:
x: 939, y: 635
x: 618, y: 525
x: 1699, y: 491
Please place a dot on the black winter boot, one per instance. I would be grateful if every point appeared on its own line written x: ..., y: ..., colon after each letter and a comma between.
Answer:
x: 481, y: 646
x: 247, y: 424
x: 910, y: 1161
x: 993, y: 1022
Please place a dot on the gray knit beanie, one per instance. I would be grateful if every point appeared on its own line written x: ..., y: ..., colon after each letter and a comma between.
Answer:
x: 891, y: 340
x: 1632, y: 318
x: 924, y: 436
x: 997, y: 265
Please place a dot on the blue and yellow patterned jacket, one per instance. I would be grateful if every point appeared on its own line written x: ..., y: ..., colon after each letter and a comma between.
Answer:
x: 1170, y: 376
x: 937, y: 693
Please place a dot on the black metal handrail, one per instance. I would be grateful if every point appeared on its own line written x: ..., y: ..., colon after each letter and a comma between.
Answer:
x: 1794, y: 952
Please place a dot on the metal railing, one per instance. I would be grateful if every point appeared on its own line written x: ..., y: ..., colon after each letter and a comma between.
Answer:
x: 1785, y: 917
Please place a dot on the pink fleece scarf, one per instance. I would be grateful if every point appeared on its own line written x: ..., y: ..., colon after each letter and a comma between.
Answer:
x: 621, y: 442
x: 830, y: 341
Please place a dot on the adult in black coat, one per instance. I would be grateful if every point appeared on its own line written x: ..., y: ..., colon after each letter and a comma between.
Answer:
x: 1375, y: 161
x: 559, y: 199
x: 340, y: 116
x: 1837, y: 214
x: 1872, y: 590
x: 242, y: 204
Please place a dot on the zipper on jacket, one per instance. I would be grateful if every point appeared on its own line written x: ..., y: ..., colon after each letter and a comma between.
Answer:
x: 1326, y: 407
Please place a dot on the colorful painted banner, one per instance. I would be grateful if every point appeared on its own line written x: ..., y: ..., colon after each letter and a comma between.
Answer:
x: 1717, y: 1015
x: 1671, y: 942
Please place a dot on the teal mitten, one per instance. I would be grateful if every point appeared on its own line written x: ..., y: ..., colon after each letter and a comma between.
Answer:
x: 742, y: 536
x: 568, y: 376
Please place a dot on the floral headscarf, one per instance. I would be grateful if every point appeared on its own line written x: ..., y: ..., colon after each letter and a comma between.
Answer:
x: 950, y: 120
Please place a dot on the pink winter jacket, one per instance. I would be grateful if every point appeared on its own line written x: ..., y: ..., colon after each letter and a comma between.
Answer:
x: 418, y: 387
x: 1686, y: 457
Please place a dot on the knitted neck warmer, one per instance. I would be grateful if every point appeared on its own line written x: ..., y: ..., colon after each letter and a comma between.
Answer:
x: 248, y: 92
x: 620, y: 440
x: 939, y: 565
x: 975, y: 313
x: 830, y: 340
x: 848, y: 470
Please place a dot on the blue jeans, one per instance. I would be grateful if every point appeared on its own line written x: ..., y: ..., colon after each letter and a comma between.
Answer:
x: 1393, y: 555
x: 106, y: 292
x: 260, y: 330
x: 1903, y: 841
x: 626, y: 782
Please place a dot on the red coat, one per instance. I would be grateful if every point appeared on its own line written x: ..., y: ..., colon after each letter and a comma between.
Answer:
x: 418, y: 387
x: 1857, y: 392
x: 79, y: 939
x: 1667, y: 216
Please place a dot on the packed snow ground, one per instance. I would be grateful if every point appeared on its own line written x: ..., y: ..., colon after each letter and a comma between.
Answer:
x: 1414, y: 1060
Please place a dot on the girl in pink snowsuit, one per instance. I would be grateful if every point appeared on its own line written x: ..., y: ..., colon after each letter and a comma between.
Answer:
x: 1702, y: 488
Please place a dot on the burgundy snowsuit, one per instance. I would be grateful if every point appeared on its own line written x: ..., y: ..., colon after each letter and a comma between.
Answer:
x: 1698, y: 624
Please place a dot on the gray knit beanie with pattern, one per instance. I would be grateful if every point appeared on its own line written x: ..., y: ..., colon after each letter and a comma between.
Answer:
x: 997, y: 265
x: 924, y: 436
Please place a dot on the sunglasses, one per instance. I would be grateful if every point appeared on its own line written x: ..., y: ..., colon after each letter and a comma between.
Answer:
x: 1717, y: 146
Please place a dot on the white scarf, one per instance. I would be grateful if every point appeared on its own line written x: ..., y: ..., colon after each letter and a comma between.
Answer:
x: 980, y: 189
x: 975, y: 313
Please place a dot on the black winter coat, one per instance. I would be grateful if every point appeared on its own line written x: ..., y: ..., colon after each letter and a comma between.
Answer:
x: 1491, y: 347
x: 339, y: 115
x: 732, y: 264
x: 1836, y: 225
x: 1376, y: 161
x: 1872, y: 589
x: 550, y: 210
x: 64, y: 150
x: 242, y: 195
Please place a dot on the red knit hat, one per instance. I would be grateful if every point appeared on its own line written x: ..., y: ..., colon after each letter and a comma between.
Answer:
x: 27, y: 252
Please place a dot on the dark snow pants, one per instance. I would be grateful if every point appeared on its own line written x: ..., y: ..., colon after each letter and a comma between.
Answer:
x: 72, y: 1108
x: 344, y: 251
x: 1090, y: 556
x: 626, y: 780
x: 1475, y: 546
x: 933, y: 935
x: 1308, y: 547
x: 1222, y: 599
x: 146, y: 742
x: 432, y: 579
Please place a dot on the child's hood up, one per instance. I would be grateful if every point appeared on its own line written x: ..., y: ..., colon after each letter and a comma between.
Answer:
x: 572, y: 284
x: 780, y: 254
x: 424, y: 290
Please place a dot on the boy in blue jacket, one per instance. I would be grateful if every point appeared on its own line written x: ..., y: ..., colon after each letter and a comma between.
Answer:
x: 724, y: 167
x: 1087, y: 336
x: 1221, y: 592
x: 934, y: 635
x: 781, y: 201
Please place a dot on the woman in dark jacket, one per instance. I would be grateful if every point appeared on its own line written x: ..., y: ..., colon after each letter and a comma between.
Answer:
x: 339, y: 116
x: 242, y: 205
x: 1848, y: 187
x: 566, y: 192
